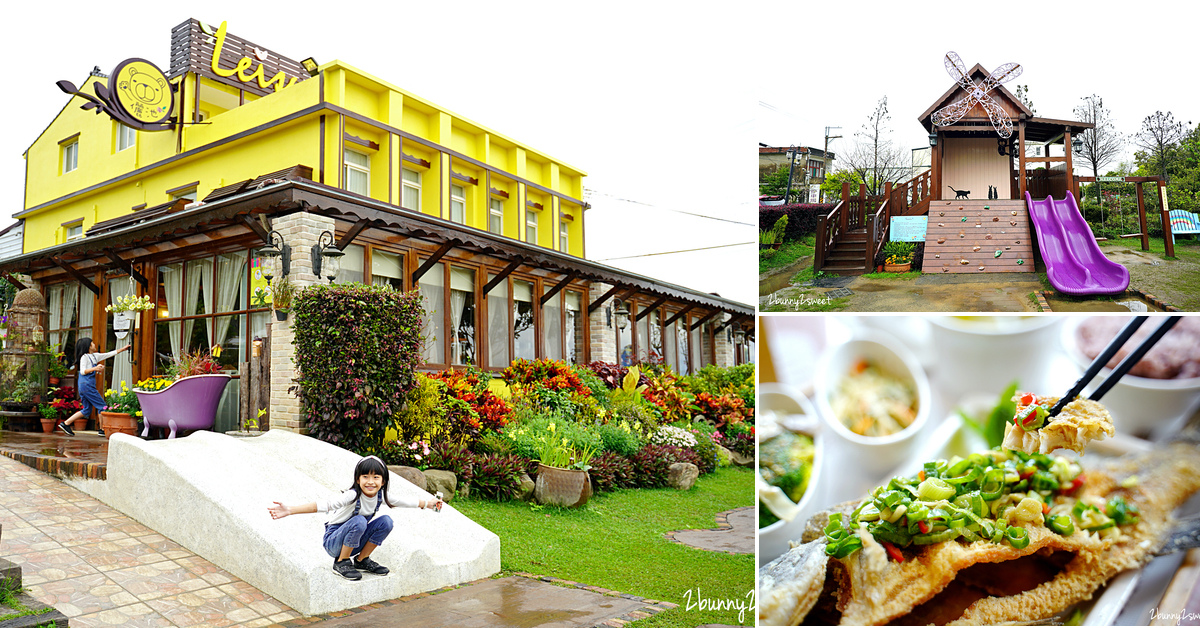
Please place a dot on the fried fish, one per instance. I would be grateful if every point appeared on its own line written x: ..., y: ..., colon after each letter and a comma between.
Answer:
x: 1106, y: 519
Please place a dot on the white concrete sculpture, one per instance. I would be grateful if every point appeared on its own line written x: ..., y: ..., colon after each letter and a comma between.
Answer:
x: 210, y: 493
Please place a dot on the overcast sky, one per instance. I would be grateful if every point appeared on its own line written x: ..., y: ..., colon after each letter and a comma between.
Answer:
x: 656, y: 106
x: 1139, y: 57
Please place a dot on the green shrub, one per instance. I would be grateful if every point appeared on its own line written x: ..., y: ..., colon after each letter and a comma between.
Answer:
x: 453, y: 457
x: 652, y: 464
x: 414, y: 454
x: 611, y: 471
x: 642, y: 416
x: 493, y: 443
x: 619, y: 438
x: 424, y: 416
x: 357, y: 350
x: 592, y: 382
x: 717, y: 380
x: 527, y: 437
x: 497, y: 477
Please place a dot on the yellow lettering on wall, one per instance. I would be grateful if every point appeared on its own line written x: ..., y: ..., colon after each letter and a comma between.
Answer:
x: 280, y: 80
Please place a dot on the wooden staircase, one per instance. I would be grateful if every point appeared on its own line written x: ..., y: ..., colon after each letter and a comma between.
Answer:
x: 848, y: 255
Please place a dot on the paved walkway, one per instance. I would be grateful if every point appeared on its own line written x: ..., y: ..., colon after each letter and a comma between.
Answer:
x: 102, y: 568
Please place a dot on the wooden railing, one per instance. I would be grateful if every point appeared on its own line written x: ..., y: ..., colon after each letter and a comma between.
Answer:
x: 912, y: 197
x: 878, y: 224
x: 829, y: 230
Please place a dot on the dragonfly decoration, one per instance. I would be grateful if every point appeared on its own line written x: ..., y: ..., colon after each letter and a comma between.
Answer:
x: 977, y: 93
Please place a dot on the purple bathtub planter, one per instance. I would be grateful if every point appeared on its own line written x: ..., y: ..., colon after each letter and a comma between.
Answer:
x: 188, y: 404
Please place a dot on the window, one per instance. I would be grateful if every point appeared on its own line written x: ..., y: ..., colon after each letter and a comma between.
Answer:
x: 498, y: 325
x: 573, y: 332
x: 462, y: 315
x: 496, y: 216
x: 433, y: 290
x: 816, y: 169
x: 70, y: 316
x: 70, y: 156
x: 75, y: 231
x: 564, y: 241
x: 352, y: 264
x: 552, y: 342
x: 531, y: 225
x: 126, y: 137
x: 410, y: 197
x: 523, y: 329
x: 189, y: 194
x: 458, y: 204
x: 387, y: 269
x: 358, y: 173
x: 681, y: 335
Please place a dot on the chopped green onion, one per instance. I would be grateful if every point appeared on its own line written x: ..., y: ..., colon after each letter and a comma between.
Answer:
x: 1044, y: 481
x: 1121, y: 511
x: 934, y: 489
x: 936, y: 537
x: 1017, y: 536
x: 1061, y: 524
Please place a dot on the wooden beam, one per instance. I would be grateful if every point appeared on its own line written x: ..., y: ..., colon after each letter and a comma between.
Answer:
x: 642, y: 312
x: 87, y: 283
x: 1021, y: 183
x: 348, y: 238
x: 257, y: 228
x: 12, y: 280
x: 558, y: 287
x: 678, y: 315
x: 433, y: 259
x: 127, y: 266
x: 703, y: 320
x: 513, y: 265
x: 595, y: 304
x: 1070, y: 165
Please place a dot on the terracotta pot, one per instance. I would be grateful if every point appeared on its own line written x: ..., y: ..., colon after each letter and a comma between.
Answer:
x: 562, y: 487
x: 48, y: 425
x: 897, y: 268
x: 112, y: 422
x: 54, y: 381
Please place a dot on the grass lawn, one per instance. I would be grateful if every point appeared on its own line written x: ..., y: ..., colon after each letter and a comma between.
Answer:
x: 1175, y: 280
x: 787, y: 254
x: 616, y: 542
x: 909, y: 276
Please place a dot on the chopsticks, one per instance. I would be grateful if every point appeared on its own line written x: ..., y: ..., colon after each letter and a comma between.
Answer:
x: 1106, y: 355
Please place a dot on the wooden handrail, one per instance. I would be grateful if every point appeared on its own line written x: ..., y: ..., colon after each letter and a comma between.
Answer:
x: 827, y: 232
x: 876, y: 235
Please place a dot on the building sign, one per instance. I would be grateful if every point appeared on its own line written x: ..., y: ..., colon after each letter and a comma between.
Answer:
x: 1110, y: 179
x: 814, y: 193
x: 138, y: 95
x: 908, y: 228
x: 218, y: 55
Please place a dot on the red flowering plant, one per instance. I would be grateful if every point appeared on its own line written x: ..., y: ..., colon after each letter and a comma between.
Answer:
x: 664, y: 392
x: 65, y: 400
x: 553, y: 375
x: 614, y: 374
x: 477, y: 408
x: 722, y: 410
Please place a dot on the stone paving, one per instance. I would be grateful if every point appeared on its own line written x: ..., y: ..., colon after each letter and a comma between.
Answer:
x: 734, y: 533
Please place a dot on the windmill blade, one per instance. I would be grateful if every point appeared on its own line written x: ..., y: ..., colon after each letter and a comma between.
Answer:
x: 953, y: 112
x: 1000, y: 120
x: 957, y: 70
x: 1002, y: 74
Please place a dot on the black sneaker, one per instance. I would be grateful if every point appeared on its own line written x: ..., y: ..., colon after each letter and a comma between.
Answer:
x: 345, y: 569
x: 100, y: 432
x: 66, y: 429
x: 370, y: 566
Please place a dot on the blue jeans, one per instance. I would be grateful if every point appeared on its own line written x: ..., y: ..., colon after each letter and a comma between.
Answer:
x: 356, y: 532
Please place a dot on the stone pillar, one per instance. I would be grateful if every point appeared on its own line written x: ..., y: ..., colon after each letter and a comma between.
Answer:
x: 603, y: 343
x: 300, y: 231
x: 722, y: 345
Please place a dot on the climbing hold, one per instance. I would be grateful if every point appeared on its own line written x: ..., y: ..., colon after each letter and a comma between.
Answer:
x: 1007, y: 248
x: 988, y: 237
x: 1012, y: 222
x: 1018, y: 241
x: 1020, y: 262
x: 941, y: 224
x: 976, y: 249
x: 981, y: 268
x: 960, y: 208
x: 963, y: 262
x: 941, y: 213
x: 987, y: 206
x: 945, y: 270
x: 995, y: 220
x: 964, y: 219
x: 937, y: 256
x: 998, y: 254
x: 1014, y: 213
x: 941, y: 240
x: 961, y: 234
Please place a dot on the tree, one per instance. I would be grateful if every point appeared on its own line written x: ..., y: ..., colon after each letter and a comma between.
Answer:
x: 1022, y: 95
x: 1102, y: 143
x: 874, y: 158
x: 831, y: 188
x: 1159, y: 135
x: 776, y: 183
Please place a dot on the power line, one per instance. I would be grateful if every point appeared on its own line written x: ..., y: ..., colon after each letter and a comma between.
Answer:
x: 668, y: 209
x: 706, y: 248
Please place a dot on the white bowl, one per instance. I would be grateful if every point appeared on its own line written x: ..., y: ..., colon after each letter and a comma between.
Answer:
x: 872, y: 455
x: 983, y: 354
x: 1138, y: 404
x: 773, y: 539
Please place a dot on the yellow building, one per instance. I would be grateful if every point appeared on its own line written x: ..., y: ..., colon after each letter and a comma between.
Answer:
x: 235, y: 146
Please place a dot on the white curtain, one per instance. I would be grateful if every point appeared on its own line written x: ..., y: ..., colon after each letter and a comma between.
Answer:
x: 497, y: 301
x: 552, y: 326
x: 432, y: 284
x: 462, y: 288
x: 69, y: 310
x: 231, y: 274
x: 172, y: 278
x: 386, y: 269
x: 87, y: 301
x: 199, y: 275
x: 122, y: 366
x: 56, y: 298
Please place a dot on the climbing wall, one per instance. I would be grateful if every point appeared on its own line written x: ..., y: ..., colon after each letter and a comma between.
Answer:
x: 972, y: 236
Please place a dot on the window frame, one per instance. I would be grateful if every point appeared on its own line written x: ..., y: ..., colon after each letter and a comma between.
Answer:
x: 496, y: 212
x: 347, y: 166
x: 124, y: 130
x: 531, y: 226
x: 461, y: 200
x: 415, y: 186
x: 69, y: 155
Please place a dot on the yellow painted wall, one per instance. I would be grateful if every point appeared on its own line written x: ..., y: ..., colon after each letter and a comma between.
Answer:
x: 265, y: 148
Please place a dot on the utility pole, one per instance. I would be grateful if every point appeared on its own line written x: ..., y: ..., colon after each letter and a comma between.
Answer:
x: 791, y: 155
x: 825, y: 157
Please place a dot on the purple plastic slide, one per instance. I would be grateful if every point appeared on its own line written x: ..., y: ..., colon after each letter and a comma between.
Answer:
x: 1074, y: 262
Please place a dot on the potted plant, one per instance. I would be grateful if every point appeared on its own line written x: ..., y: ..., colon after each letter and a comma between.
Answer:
x: 562, y: 478
x: 122, y: 412
x: 49, y: 417
x: 766, y: 238
x: 65, y: 400
x: 125, y: 310
x: 188, y: 399
x: 281, y: 298
x: 58, y: 369
x: 899, y: 256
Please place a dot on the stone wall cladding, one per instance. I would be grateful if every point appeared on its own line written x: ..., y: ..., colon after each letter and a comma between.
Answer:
x: 603, y: 344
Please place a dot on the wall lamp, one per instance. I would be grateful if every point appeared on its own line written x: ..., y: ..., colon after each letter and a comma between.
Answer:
x: 1077, y: 143
x: 310, y: 66
x: 326, y: 255
x: 275, y: 259
x: 622, y: 315
x: 739, y: 335
x: 933, y: 137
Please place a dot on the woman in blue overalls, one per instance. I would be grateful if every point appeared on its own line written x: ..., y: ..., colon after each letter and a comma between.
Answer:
x: 90, y: 363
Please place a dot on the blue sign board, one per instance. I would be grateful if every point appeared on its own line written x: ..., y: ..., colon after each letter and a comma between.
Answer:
x: 908, y: 228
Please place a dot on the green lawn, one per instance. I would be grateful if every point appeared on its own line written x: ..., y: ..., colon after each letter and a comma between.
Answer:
x: 616, y: 542
x: 787, y: 254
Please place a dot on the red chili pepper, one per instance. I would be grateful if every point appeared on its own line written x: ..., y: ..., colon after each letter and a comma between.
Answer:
x: 1028, y: 399
x: 921, y: 475
x: 1045, y: 509
x: 1028, y: 474
x: 923, y: 527
x: 1076, y: 483
x: 893, y: 552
